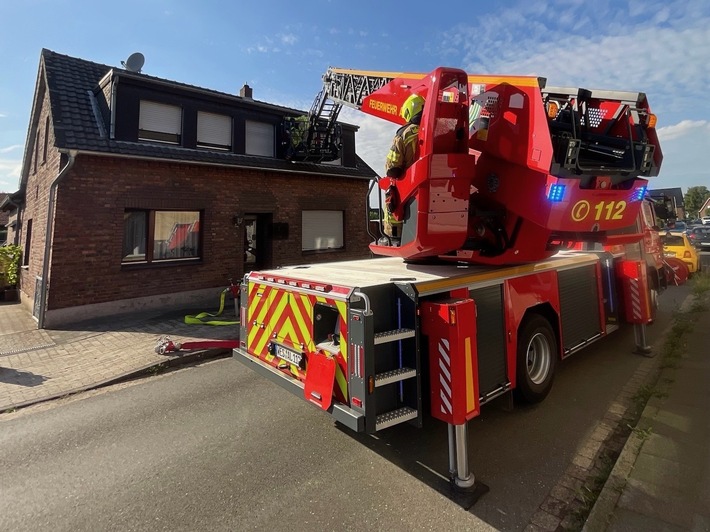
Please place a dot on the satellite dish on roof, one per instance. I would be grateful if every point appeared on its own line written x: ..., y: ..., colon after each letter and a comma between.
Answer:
x: 134, y: 63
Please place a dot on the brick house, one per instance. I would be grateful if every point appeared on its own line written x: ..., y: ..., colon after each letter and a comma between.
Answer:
x: 672, y: 199
x: 155, y: 192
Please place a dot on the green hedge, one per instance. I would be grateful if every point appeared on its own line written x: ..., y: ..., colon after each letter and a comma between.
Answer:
x: 10, y: 265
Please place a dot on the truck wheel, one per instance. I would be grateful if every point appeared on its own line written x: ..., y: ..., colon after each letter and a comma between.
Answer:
x: 654, y: 283
x: 537, y: 358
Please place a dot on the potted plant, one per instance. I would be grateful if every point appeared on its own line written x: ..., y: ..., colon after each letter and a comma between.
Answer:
x: 9, y: 271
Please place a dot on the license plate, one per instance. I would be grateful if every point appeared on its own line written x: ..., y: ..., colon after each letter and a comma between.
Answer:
x: 705, y: 243
x: 288, y: 355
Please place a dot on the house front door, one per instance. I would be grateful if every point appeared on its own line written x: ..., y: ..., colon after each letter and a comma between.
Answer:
x: 257, y: 247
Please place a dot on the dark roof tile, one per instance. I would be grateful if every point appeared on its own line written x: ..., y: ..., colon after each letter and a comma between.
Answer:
x: 70, y: 81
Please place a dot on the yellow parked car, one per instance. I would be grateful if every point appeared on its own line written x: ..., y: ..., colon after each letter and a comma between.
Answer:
x: 676, y: 244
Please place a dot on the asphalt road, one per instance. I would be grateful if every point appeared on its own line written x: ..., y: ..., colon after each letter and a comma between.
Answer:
x: 216, y: 447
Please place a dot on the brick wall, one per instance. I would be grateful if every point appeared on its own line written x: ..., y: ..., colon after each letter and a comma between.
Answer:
x: 40, y: 175
x: 87, y: 250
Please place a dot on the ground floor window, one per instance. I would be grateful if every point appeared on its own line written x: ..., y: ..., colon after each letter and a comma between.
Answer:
x: 322, y: 230
x: 152, y: 235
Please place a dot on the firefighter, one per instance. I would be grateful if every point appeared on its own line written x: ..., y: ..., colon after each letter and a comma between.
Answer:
x: 404, y: 145
x: 401, y: 156
x: 297, y: 132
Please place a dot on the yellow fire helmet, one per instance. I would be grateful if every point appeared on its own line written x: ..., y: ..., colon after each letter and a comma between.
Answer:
x: 411, y: 107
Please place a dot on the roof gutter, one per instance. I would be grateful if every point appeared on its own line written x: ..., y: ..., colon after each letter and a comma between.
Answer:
x: 222, y: 165
x: 49, y: 234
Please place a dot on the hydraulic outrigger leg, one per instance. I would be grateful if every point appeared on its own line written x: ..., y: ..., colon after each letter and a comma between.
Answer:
x: 458, y: 457
x: 642, y: 348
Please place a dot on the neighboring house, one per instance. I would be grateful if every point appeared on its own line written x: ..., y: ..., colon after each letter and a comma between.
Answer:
x: 672, y: 198
x: 704, y: 209
x: 154, y: 193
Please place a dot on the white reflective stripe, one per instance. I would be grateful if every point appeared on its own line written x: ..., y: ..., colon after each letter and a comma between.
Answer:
x: 445, y: 385
x: 445, y: 369
x: 445, y: 352
x: 635, y: 298
x: 445, y: 402
x: 445, y: 376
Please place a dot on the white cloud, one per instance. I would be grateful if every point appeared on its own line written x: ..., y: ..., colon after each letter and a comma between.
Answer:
x: 10, y: 167
x: 259, y: 48
x: 288, y: 39
x: 684, y: 146
x: 9, y: 149
x: 683, y: 128
x: 373, y: 139
x: 9, y: 174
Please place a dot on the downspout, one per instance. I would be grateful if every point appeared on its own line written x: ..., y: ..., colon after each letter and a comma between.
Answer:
x: 48, y: 236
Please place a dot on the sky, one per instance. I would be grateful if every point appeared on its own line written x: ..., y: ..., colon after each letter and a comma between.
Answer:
x: 282, y: 48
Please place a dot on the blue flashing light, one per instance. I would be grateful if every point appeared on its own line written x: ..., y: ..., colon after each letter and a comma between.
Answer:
x: 556, y: 193
x: 639, y: 194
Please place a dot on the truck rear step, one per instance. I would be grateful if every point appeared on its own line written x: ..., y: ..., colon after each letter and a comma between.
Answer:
x: 395, y: 375
x: 393, y: 336
x: 395, y: 417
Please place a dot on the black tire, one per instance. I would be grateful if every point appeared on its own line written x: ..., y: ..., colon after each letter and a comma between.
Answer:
x: 536, y: 358
x: 654, y: 290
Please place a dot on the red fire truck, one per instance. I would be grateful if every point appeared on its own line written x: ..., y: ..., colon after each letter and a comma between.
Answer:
x: 485, y: 293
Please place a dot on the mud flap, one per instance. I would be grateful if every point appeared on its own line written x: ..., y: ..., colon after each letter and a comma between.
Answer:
x: 320, y: 380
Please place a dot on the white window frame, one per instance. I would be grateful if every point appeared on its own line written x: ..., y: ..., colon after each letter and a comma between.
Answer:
x: 160, y: 122
x: 259, y: 138
x: 214, y: 131
x: 322, y: 230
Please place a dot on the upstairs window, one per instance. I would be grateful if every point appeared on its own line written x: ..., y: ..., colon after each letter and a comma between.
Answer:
x: 46, y: 140
x: 28, y: 243
x: 154, y: 236
x: 214, y: 131
x: 160, y: 122
x: 322, y: 230
x: 259, y: 139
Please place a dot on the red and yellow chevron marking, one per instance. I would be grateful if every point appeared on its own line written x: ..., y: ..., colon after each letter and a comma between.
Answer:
x: 289, y: 314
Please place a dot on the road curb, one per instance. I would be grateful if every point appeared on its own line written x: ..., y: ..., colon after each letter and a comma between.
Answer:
x: 177, y: 360
x: 602, y: 511
x: 603, y: 508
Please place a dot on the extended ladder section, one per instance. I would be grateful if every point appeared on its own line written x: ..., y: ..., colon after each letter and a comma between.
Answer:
x: 317, y: 137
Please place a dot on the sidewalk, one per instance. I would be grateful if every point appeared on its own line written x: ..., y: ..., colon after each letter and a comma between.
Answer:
x: 38, y: 365
x: 661, y: 480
